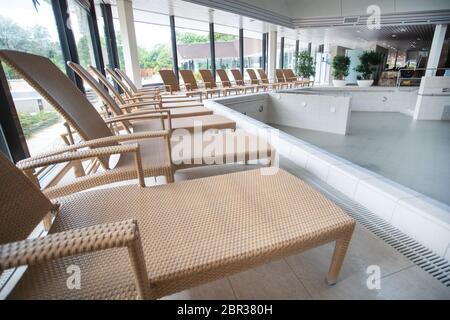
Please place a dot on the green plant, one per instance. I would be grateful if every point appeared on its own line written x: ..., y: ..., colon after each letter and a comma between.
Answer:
x: 340, y: 66
x: 368, y: 64
x: 33, y: 122
x: 304, y: 65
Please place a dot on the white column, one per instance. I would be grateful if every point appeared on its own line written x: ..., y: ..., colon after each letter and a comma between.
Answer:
x: 128, y: 34
x: 272, y: 56
x: 436, y: 49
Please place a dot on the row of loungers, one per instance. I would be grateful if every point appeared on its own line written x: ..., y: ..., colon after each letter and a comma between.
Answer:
x: 133, y: 241
x: 210, y: 87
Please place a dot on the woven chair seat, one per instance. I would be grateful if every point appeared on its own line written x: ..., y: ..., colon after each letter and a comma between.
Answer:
x: 192, y: 232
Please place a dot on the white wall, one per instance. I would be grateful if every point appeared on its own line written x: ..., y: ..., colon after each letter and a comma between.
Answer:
x: 433, y: 99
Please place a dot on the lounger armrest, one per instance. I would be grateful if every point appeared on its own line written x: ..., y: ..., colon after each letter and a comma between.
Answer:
x: 208, y: 85
x: 148, y: 114
x: 141, y: 104
x: 81, y: 241
x: 96, y: 143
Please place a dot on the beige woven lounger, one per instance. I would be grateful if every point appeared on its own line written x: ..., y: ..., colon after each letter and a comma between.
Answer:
x: 255, y: 81
x: 158, y: 101
x: 131, y: 242
x: 191, y: 84
x: 210, y: 82
x: 140, y: 107
x: 155, y: 146
x: 239, y: 80
x: 172, y: 85
x: 226, y: 83
x: 184, y: 119
x: 279, y: 75
x: 291, y: 77
x: 265, y: 79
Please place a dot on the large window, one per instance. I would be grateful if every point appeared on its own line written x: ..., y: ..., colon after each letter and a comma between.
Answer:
x: 227, y: 47
x: 26, y: 28
x: 252, y: 50
x: 193, y: 45
x: 289, y: 53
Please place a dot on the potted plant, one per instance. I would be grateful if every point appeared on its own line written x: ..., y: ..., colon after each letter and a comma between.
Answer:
x: 304, y: 65
x: 368, y: 65
x: 340, y: 66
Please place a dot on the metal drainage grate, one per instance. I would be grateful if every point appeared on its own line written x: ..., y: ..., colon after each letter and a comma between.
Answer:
x: 423, y: 257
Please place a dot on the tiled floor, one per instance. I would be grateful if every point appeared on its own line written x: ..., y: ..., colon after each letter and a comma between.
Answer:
x: 302, y: 276
x: 415, y: 154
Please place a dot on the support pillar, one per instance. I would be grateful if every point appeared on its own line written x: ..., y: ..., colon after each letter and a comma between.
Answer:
x: 128, y: 34
x: 436, y: 49
x: 272, y: 56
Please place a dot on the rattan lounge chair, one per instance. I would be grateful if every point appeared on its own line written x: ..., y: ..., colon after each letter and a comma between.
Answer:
x: 140, y: 107
x: 279, y: 75
x: 132, y: 242
x: 132, y: 87
x: 255, y: 81
x: 132, y: 95
x: 239, y: 80
x: 172, y: 85
x: 210, y: 82
x: 265, y: 79
x: 185, y: 118
x: 191, y: 84
x: 155, y: 146
x: 166, y: 101
x: 291, y: 77
x: 226, y: 83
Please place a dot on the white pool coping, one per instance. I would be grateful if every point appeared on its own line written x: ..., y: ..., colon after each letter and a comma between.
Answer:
x: 422, y: 218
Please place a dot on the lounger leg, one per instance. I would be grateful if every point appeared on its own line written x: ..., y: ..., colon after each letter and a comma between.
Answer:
x: 338, y: 258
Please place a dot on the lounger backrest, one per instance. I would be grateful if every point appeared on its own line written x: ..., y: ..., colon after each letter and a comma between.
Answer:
x: 253, y: 77
x: 208, y: 78
x: 103, y: 80
x: 98, y: 89
x: 279, y: 75
x: 263, y: 76
x: 289, y: 75
x: 52, y: 84
x: 126, y: 80
x: 169, y: 79
x: 224, y: 77
x: 119, y: 82
x: 189, y: 78
x: 237, y: 75
x: 22, y: 204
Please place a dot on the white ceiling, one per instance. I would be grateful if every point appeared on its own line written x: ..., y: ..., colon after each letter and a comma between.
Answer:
x: 197, y: 17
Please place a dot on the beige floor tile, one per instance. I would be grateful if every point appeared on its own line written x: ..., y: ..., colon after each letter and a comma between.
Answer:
x: 216, y: 290
x: 273, y: 280
x: 365, y: 249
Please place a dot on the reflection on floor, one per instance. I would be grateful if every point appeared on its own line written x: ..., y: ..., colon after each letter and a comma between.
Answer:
x: 302, y: 276
x: 415, y: 154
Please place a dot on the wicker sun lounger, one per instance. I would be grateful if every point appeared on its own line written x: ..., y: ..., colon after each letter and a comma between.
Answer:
x: 226, y: 83
x: 191, y: 84
x: 210, y: 82
x: 172, y: 85
x: 165, y: 102
x: 265, y: 79
x: 279, y: 75
x: 239, y: 80
x: 135, y: 95
x: 132, y: 242
x: 291, y: 77
x: 255, y: 81
x: 155, y: 146
x: 140, y: 107
x: 184, y: 119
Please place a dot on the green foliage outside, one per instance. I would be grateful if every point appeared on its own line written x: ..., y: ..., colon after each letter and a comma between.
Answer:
x: 36, y: 40
x: 304, y: 65
x: 369, y: 61
x: 159, y: 57
x: 192, y: 38
x: 341, y: 65
x: 33, y: 122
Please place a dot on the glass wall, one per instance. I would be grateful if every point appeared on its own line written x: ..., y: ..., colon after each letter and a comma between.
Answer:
x: 227, y: 47
x: 26, y: 28
x: 289, y: 53
x: 154, y: 45
x: 193, y: 45
x: 252, y: 51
